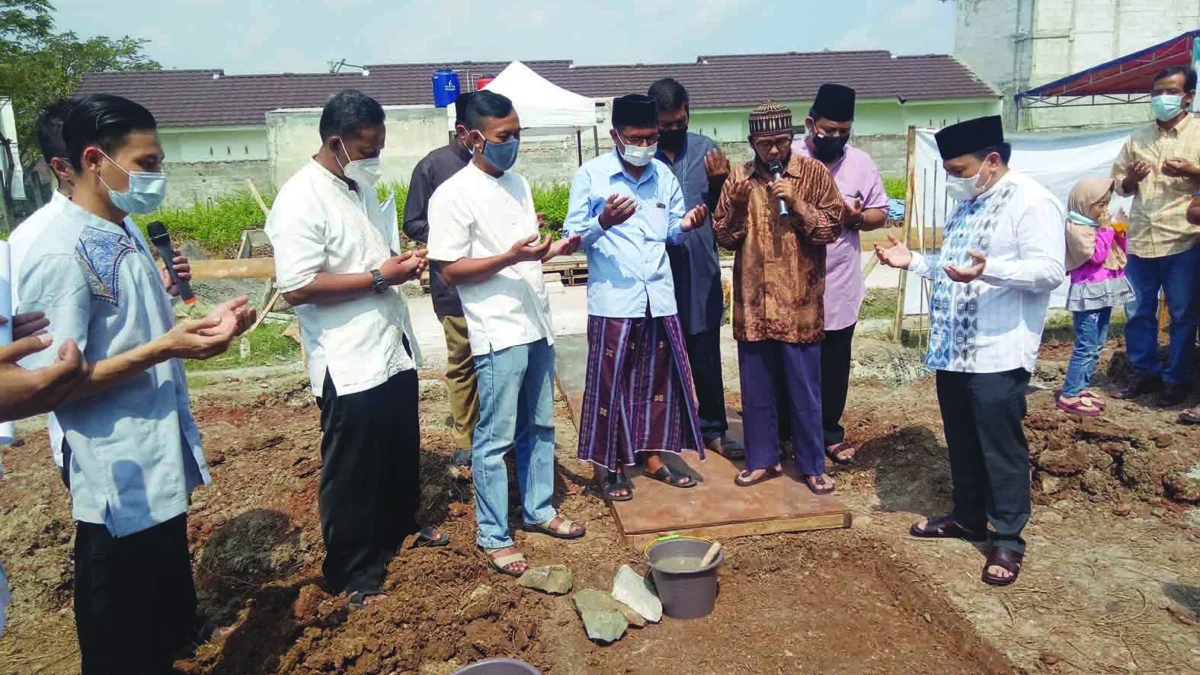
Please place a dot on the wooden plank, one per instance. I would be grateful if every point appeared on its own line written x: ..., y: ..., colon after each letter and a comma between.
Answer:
x: 778, y: 526
x: 257, y: 197
x: 910, y: 191
x: 245, y: 268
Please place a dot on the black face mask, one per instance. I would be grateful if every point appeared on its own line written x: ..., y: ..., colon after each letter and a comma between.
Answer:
x: 672, y: 140
x: 826, y: 148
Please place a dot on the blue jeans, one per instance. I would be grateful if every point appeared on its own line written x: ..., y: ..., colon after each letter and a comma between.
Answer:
x: 1178, y: 276
x: 516, y: 409
x: 1091, y: 330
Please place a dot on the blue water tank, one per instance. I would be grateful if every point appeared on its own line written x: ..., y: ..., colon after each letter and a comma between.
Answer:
x: 445, y: 87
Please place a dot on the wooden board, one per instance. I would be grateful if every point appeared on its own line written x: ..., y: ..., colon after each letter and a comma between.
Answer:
x: 245, y: 268
x: 717, y: 508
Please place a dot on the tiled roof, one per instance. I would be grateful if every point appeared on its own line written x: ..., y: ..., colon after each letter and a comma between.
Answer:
x: 181, y: 98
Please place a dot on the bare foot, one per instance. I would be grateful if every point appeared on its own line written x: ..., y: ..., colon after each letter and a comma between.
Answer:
x: 999, y: 572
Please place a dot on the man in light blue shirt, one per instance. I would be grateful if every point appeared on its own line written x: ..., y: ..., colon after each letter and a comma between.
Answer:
x: 135, y: 453
x: 627, y: 206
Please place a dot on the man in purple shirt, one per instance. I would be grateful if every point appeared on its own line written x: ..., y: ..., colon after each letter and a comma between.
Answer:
x: 829, y: 121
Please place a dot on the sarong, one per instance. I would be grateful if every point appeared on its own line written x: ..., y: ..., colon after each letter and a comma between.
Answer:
x: 638, y: 396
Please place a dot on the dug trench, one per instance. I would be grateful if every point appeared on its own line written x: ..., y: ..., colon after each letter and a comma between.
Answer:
x: 1105, y: 589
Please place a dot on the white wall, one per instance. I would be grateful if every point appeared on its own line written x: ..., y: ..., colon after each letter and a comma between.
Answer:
x: 1018, y: 44
x: 214, y: 144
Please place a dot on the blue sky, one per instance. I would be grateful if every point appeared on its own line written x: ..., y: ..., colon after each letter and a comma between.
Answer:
x: 245, y: 36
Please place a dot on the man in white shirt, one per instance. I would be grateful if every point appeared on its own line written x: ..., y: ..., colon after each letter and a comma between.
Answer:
x: 335, y: 263
x: 1001, y: 258
x: 49, y: 127
x: 484, y: 228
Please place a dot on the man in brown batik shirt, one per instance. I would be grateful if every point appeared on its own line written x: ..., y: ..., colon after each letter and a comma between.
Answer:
x: 779, y: 228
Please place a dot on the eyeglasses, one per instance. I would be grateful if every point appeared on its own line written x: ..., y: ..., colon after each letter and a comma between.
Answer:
x: 781, y: 144
x: 643, y: 142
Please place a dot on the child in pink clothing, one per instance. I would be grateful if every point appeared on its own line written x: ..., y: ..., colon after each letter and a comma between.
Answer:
x: 1097, y: 286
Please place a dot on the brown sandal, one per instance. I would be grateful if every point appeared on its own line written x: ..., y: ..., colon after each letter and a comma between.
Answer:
x: 810, y: 481
x: 945, y: 527
x: 1006, y: 559
x: 767, y: 474
x: 834, y: 451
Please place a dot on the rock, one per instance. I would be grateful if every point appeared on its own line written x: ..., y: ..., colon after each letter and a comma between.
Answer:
x: 555, y: 579
x: 1051, y: 657
x: 1184, y: 486
x: 479, y: 605
x: 1062, y: 461
x: 1050, y: 484
x: 1159, y: 512
x: 1164, y: 440
x: 1123, y: 509
x: 293, y: 332
x: 633, y: 590
x: 636, y: 620
x: 601, y: 615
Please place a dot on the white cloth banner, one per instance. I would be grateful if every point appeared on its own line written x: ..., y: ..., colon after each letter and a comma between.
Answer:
x: 1056, y: 160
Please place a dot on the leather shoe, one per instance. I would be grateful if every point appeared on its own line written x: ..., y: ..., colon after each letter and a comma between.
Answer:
x: 1172, y: 395
x: 1141, y: 384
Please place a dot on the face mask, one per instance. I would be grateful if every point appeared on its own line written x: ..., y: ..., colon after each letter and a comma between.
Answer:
x: 673, y: 139
x: 637, y: 156
x: 829, y: 147
x: 362, y: 171
x: 1166, y: 107
x: 964, y: 189
x: 500, y: 155
x: 146, y: 190
x: 1080, y: 219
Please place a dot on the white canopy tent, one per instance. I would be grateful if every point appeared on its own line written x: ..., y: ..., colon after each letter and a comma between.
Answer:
x: 540, y: 103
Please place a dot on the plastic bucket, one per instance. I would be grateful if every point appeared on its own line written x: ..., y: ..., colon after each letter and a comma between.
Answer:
x: 685, y: 595
x: 499, y: 667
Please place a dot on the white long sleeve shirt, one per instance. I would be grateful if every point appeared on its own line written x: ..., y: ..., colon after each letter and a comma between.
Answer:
x: 994, y: 324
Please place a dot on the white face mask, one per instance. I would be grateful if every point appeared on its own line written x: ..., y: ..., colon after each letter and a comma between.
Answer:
x: 636, y: 155
x: 964, y: 188
x: 363, y: 171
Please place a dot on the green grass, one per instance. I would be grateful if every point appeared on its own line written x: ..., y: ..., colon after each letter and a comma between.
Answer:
x: 880, y: 303
x: 895, y: 187
x: 215, y: 225
x: 268, y: 347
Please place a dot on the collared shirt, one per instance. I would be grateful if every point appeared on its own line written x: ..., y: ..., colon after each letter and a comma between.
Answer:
x: 318, y: 224
x: 994, y: 324
x: 628, y: 268
x: 474, y: 215
x: 857, y: 177
x: 135, y: 448
x: 694, y: 263
x: 1158, y: 223
x: 427, y: 176
x: 19, y: 242
x: 779, y: 265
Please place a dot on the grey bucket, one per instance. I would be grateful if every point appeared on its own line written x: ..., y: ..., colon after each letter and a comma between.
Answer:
x: 499, y: 667
x: 684, y: 595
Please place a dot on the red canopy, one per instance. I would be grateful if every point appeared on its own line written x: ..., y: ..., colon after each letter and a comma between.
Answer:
x: 1122, y: 80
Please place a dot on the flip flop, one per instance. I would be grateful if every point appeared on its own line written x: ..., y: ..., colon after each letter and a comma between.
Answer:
x: 809, y: 480
x: 501, y: 564
x: 665, y: 475
x: 1097, y: 402
x: 429, y: 537
x: 1006, y: 559
x: 614, y: 481
x: 358, y: 598
x: 1077, y: 408
x: 1190, y: 416
x: 563, y: 531
x: 769, y: 473
x: 833, y: 452
x: 945, y: 527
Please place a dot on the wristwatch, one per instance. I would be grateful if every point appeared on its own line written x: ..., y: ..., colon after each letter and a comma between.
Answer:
x: 379, y: 284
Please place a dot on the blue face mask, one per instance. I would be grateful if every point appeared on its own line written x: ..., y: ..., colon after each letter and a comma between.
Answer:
x: 501, y: 155
x: 1166, y: 107
x: 146, y: 190
x: 1080, y: 219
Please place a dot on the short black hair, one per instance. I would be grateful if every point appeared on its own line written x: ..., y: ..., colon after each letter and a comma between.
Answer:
x: 348, y: 112
x: 669, y: 94
x: 1003, y: 149
x: 486, y: 104
x: 105, y: 121
x: 49, y: 127
x: 1188, y: 73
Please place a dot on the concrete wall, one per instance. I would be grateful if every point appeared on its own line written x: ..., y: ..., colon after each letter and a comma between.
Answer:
x: 215, y: 144
x: 1018, y: 44
x: 191, y: 182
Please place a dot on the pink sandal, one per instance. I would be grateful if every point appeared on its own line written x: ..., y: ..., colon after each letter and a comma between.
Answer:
x: 1077, y: 408
x: 1097, y: 402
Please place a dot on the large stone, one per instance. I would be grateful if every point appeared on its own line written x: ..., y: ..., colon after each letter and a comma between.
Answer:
x: 602, y: 615
x: 633, y: 590
x: 636, y: 620
x: 555, y: 579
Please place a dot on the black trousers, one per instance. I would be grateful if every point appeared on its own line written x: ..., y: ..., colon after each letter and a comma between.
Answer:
x: 135, y: 601
x: 983, y: 416
x: 835, y: 382
x: 704, y: 355
x: 370, y: 486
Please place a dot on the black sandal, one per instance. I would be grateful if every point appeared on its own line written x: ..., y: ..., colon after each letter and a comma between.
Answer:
x: 1006, y: 559
x: 946, y: 527
x: 1190, y: 416
x: 358, y: 598
x: 615, y: 482
x: 665, y: 475
x: 767, y: 474
x: 820, y: 492
x: 426, y: 538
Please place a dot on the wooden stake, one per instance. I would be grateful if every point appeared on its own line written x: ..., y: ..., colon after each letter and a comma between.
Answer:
x: 711, y: 555
x: 909, y: 191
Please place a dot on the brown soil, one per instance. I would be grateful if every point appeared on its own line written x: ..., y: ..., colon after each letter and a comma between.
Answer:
x: 1100, y: 593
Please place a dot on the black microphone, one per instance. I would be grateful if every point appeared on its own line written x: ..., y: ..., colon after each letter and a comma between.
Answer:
x: 777, y: 170
x: 162, y: 242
